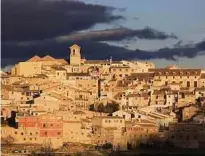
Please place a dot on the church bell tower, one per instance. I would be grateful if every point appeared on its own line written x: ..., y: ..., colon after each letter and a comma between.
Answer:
x: 75, y: 56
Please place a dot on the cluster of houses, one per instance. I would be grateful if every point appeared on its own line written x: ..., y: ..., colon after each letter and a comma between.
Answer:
x: 45, y: 99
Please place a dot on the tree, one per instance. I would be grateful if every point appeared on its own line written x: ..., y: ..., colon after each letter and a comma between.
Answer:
x: 100, y: 108
x: 107, y: 146
x: 154, y: 141
x: 47, y: 147
x: 92, y: 107
x: 110, y: 108
x: 8, y: 141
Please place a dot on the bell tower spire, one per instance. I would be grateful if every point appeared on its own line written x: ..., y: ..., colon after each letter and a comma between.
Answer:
x: 75, y: 55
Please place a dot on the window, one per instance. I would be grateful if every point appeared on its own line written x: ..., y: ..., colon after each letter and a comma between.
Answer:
x: 16, y: 132
x: 195, y: 84
x: 59, y: 133
x: 22, y: 133
x: 188, y: 83
x: 30, y: 133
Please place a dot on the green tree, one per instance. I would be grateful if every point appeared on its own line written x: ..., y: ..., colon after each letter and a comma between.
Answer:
x: 100, y: 108
x: 110, y: 108
x: 92, y: 107
x: 107, y: 146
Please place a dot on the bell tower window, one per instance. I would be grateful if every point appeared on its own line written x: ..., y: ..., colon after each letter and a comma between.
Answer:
x: 73, y: 51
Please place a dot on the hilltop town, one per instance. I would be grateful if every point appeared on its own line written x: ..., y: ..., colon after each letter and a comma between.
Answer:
x: 120, y: 104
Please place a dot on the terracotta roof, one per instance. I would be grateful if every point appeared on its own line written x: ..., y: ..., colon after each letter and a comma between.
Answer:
x: 47, y: 58
x: 138, y: 95
x: 41, y: 76
x: 77, y: 74
x: 96, y: 62
x: 58, y: 68
x: 34, y: 59
x: 175, y: 72
x: 158, y: 92
x: 119, y: 67
x: 108, y: 117
x: 184, y: 89
x: 187, y: 93
x: 200, y: 89
x: 145, y: 125
x: 78, y: 112
x: 63, y: 61
x: 202, y: 75
x: 65, y: 121
x: 141, y: 76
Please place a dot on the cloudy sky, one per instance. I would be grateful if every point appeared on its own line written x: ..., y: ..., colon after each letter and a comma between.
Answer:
x: 162, y: 31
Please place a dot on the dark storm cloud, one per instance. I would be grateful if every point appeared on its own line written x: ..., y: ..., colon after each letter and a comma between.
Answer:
x: 97, y: 50
x: 27, y: 20
x: 41, y: 27
x: 24, y: 20
x: 117, y: 34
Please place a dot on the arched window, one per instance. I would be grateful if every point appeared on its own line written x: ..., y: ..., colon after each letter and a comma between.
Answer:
x: 73, y: 51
